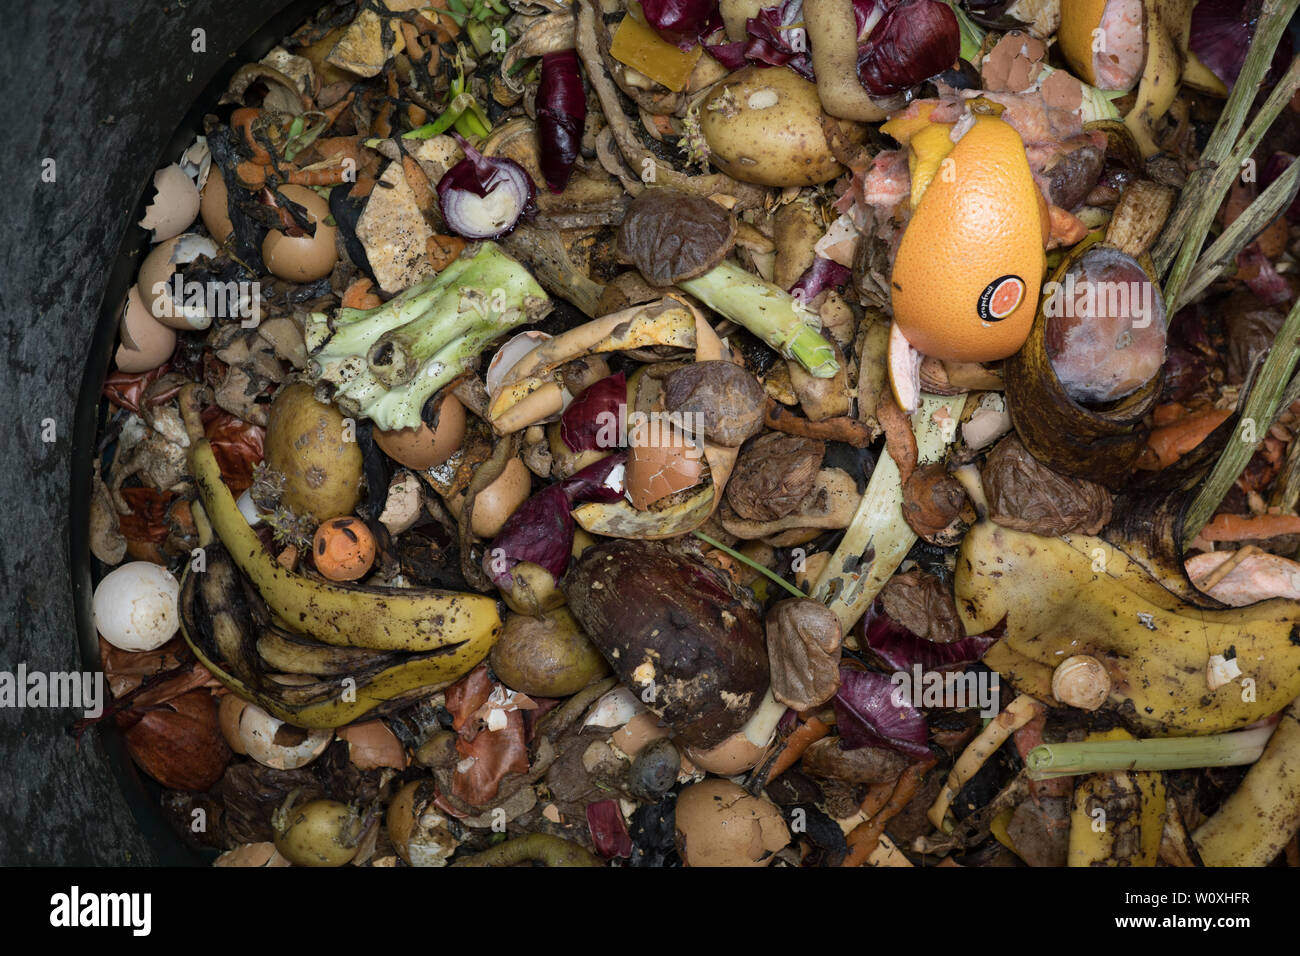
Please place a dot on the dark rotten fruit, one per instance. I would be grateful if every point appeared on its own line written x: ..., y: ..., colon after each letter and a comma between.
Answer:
x: 675, y: 632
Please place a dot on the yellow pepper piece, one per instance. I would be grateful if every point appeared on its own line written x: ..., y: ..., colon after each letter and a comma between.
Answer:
x: 638, y: 46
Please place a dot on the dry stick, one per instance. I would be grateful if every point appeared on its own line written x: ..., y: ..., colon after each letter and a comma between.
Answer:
x: 1227, y: 567
x: 1191, y: 221
x: 1223, y: 252
x: 1286, y: 492
x: 1261, y: 407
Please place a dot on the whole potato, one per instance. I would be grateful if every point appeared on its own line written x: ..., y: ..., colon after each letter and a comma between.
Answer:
x: 309, y: 444
x: 548, y: 656
x: 765, y: 126
x: 319, y: 833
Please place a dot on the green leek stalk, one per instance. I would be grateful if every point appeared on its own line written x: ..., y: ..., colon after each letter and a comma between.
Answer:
x: 771, y: 313
x: 385, y: 363
x: 1048, y: 761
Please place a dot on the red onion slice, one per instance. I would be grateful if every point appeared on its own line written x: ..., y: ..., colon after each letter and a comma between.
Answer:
x: 484, y: 197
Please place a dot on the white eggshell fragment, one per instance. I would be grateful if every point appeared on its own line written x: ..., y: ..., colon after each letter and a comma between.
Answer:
x: 155, y: 281
x: 135, y: 606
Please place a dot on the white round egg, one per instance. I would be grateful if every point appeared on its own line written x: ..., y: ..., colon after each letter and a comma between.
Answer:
x: 136, y: 606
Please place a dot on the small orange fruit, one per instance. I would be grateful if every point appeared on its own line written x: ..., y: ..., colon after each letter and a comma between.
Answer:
x: 1104, y: 41
x: 968, y: 269
x: 344, y: 549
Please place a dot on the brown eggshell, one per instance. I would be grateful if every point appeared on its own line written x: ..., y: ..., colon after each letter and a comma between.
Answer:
x: 720, y: 824
x: 159, y: 266
x: 372, y: 745
x: 497, y: 501
x: 214, y: 207
x: 252, y: 855
x: 661, y: 468
x: 423, y: 447
x: 146, y: 342
x: 229, y: 712
x: 734, y: 755
x: 175, y: 204
x: 302, y: 258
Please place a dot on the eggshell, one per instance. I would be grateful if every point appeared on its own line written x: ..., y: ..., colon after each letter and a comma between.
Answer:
x: 662, y: 468
x: 720, y: 824
x: 146, y: 342
x: 214, y: 208
x: 423, y: 447
x: 734, y: 755
x: 302, y: 258
x: 175, y: 204
x: 135, y: 606
x: 159, y: 266
x: 498, y: 501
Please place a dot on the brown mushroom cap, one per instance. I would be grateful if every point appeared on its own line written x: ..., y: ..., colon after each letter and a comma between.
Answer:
x: 670, y: 236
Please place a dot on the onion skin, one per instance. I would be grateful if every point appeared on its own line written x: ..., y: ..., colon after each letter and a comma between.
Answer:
x: 479, y: 175
x: 915, y: 40
x: 561, y: 112
x: 675, y: 632
x: 179, y: 743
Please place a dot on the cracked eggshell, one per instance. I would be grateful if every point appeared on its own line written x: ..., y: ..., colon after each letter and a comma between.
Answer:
x: 303, y: 258
x: 719, y: 824
x: 273, y: 743
x: 424, y: 447
x: 175, y: 203
x: 659, y: 469
x: 155, y: 280
x: 214, y: 207
x: 146, y: 342
x: 135, y: 606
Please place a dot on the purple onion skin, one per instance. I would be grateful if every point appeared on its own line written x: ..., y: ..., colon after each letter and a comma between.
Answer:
x: 867, y: 716
x: 898, y: 649
x: 608, y: 829
x: 561, y: 112
x: 914, y: 41
x: 776, y: 38
x: 823, y: 274
x: 581, y: 423
x: 1220, y: 38
x: 683, y: 22
x: 541, y: 530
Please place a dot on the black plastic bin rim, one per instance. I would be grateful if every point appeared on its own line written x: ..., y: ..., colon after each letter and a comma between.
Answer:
x: 279, y: 18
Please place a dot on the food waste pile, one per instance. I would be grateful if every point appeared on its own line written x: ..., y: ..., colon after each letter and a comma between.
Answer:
x: 719, y: 433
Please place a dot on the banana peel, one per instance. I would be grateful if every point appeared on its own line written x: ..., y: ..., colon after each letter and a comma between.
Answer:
x: 1127, y: 831
x: 407, y: 619
x: 1080, y: 595
x: 1165, y: 22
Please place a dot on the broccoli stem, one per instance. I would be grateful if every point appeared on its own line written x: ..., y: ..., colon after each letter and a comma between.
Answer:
x: 771, y: 313
x: 1047, y: 761
x: 385, y: 363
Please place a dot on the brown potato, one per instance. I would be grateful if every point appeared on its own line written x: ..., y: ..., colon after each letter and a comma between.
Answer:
x: 314, y: 448
x: 765, y: 126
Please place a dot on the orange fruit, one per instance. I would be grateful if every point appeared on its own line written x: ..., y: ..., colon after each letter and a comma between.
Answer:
x: 1104, y: 41
x: 967, y: 274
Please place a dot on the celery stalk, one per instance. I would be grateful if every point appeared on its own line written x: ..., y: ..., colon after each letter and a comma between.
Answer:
x: 1048, y: 761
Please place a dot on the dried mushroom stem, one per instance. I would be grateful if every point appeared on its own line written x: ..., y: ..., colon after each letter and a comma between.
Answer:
x: 1017, y: 713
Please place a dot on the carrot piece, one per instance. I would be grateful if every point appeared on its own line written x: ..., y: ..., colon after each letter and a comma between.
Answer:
x: 242, y: 120
x: 1226, y: 527
x: 330, y: 176
x: 251, y: 175
x: 1167, y: 443
x: 877, y: 798
x: 803, y: 737
x: 443, y: 250
x: 419, y: 183
x: 865, y: 837
x: 359, y: 295
x: 1168, y: 414
x: 334, y: 112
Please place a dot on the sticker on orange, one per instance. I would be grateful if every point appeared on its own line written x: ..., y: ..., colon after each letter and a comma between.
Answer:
x: 1000, y: 298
